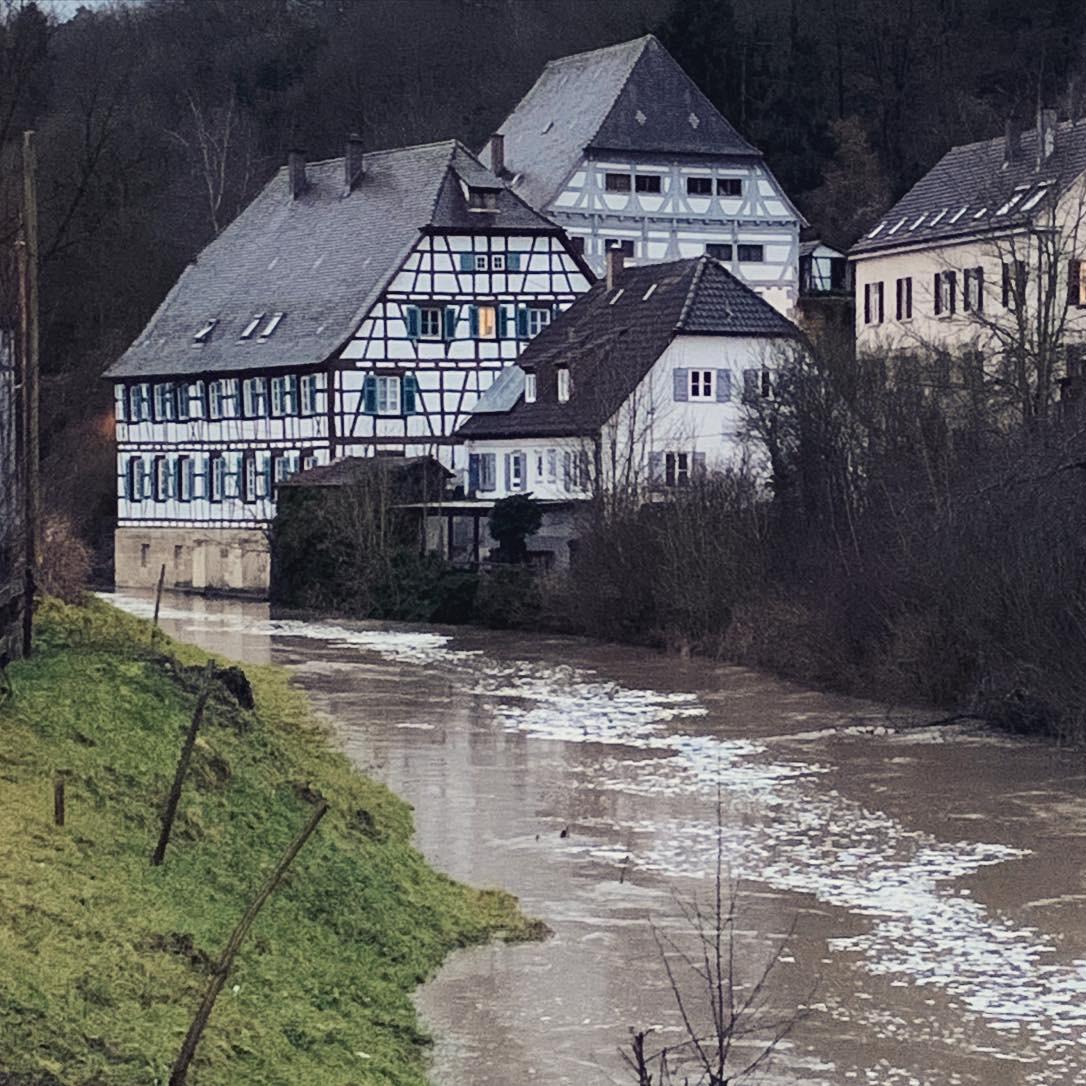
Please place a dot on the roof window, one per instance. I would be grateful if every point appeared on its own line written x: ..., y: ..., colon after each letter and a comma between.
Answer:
x: 648, y: 293
x: 563, y: 384
x: 919, y: 220
x: 1036, y: 197
x: 205, y: 333
x: 959, y: 213
x: 894, y: 229
x: 1019, y: 192
x: 980, y: 214
x: 272, y: 324
x: 939, y: 216
x: 878, y: 230
x: 251, y: 327
x: 618, y: 294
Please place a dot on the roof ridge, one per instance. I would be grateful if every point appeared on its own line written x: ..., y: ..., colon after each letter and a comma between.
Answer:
x: 644, y: 39
x: 691, y: 291
x: 383, y: 151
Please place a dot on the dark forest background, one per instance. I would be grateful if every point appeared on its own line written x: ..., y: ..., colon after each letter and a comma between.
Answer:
x: 158, y: 120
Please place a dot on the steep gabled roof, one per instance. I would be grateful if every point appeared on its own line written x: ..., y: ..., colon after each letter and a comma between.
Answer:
x: 321, y: 260
x: 610, y: 339
x: 965, y: 192
x: 631, y: 97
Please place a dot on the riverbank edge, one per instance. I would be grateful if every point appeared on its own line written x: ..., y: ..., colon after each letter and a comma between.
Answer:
x: 103, y: 958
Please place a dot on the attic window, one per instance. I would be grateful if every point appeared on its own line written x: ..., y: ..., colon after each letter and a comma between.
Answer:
x: 618, y: 294
x: 959, y: 213
x: 1019, y: 192
x: 271, y: 326
x: 878, y: 230
x: 482, y: 199
x: 250, y: 328
x: 1036, y: 197
x: 939, y: 217
x: 648, y: 293
x: 919, y: 220
x: 205, y: 333
x: 895, y: 229
x: 563, y: 384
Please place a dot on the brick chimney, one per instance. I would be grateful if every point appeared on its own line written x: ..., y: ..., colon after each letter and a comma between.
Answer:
x: 296, y: 173
x: 354, y: 161
x: 1012, y: 150
x: 616, y: 261
x: 497, y: 154
x: 1046, y: 135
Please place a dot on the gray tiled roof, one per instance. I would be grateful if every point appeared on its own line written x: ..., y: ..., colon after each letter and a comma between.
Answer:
x: 610, y: 339
x: 352, y: 470
x: 963, y: 193
x: 631, y: 97
x: 321, y: 260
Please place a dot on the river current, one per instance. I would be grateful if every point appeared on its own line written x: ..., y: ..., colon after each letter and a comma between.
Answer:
x: 920, y: 890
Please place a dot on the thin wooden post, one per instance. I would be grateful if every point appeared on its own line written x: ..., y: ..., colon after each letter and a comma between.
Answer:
x: 179, y: 1073
x: 28, y: 291
x: 169, y: 812
x: 58, y: 800
x: 158, y: 597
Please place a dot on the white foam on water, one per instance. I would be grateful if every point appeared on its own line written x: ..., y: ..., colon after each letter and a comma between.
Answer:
x: 780, y: 828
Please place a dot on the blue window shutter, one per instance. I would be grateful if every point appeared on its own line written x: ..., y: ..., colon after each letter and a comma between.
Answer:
x: 473, y: 320
x: 488, y: 464
x: 522, y: 321
x: 512, y: 262
x: 473, y: 472
x: 410, y: 388
x: 411, y: 315
x: 656, y: 468
x: 369, y: 395
x: 450, y: 322
x: 723, y: 386
x: 508, y: 471
x: 467, y: 262
x: 503, y: 321
x: 681, y: 385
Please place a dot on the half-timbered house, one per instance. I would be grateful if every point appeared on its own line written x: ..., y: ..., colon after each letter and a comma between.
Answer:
x: 639, y: 387
x: 356, y: 307
x: 620, y: 147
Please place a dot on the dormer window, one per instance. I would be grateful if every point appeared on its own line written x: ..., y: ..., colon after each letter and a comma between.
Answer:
x: 251, y: 327
x: 483, y: 199
x: 563, y: 384
x: 529, y: 388
x: 271, y: 326
x: 205, y: 333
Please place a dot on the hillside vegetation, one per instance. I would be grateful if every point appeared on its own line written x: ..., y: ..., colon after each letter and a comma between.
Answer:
x: 104, y: 958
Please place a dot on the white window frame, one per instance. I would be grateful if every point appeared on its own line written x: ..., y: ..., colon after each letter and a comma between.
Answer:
x: 308, y: 394
x: 564, y: 386
x: 165, y: 402
x: 529, y: 388
x: 497, y: 262
x: 428, y: 311
x: 388, y: 394
x: 537, y: 318
x: 252, y: 390
x: 516, y: 471
x: 482, y: 262
x: 701, y: 385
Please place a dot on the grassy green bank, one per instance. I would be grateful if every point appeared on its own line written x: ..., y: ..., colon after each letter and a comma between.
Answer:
x: 103, y: 958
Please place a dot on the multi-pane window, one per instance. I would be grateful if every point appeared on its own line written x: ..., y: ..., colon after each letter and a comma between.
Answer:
x: 616, y: 182
x: 676, y: 468
x: 430, y: 322
x: 751, y: 254
x: 729, y: 186
x: 701, y: 384
x: 718, y: 250
x: 186, y: 478
x: 388, y: 395
x: 223, y: 398
x: 757, y: 383
x: 904, y: 309
x: 135, y: 479
x: 165, y: 403
x: 284, y: 395
x: 254, y: 397
x: 945, y: 291
x: 563, y: 384
x: 552, y: 464
x: 139, y: 403
x: 1014, y: 283
x: 309, y: 391
x: 873, y: 303
x: 216, y: 477
x: 647, y: 183
x: 538, y: 318
x: 1076, y: 283
x: 973, y: 290
x: 699, y: 186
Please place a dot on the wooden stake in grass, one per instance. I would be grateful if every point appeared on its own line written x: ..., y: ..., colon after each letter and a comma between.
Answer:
x: 158, y: 598
x: 169, y: 812
x: 58, y: 801
x: 179, y: 1073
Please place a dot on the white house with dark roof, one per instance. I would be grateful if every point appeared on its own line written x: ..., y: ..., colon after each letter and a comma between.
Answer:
x: 639, y: 385
x: 983, y: 251
x: 620, y: 147
x: 356, y: 307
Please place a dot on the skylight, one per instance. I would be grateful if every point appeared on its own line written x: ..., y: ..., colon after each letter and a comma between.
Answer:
x: 550, y: 125
x: 959, y: 213
x: 250, y: 328
x: 1036, y: 197
x: 205, y: 332
x: 894, y: 229
x: 939, y: 215
x: 878, y: 230
x: 618, y: 294
x: 980, y: 214
x: 271, y: 325
x: 1019, y: 192
x: 919, y: 220
x: 648, y: 293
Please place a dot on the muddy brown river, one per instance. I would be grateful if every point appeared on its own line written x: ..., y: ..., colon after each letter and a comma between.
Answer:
x: 921, y: 892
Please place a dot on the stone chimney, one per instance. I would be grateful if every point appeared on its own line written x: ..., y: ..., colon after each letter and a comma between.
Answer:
x: 354, y: 161
x: 1012, y: 151
x: 1046, y: 135
x: 296, y: 173
x: 616, y: 261
x: 497, y: 154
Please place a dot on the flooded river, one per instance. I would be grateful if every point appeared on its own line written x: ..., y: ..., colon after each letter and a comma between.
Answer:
x: 922, y: 892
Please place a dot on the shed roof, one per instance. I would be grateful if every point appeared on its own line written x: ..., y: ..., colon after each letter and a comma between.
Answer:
x: 968, y: 190
x: 320, y: 260
x: 611, y: 338
x: 631, y: 97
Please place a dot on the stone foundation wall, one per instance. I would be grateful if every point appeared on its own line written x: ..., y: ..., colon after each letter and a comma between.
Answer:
x: 217, y: 559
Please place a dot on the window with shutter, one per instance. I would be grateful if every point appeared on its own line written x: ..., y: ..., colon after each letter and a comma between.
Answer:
x: 410, y: 394
x: 512, y: 262
x: 474, y: 476
x: 450, y: 322
x: 723, y: 386
x: 680, y: 389
x: 656, y: 468
x: 467, y: 262
x: 369, y: 395
x: 488, y: 473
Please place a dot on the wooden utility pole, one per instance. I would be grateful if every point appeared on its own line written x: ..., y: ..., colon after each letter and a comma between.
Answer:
x: 29, y: 335
x: 179, y: 1074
